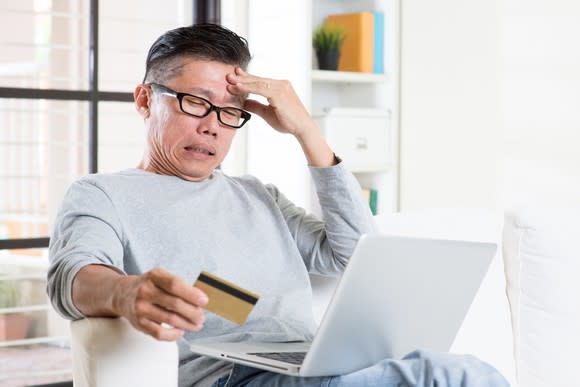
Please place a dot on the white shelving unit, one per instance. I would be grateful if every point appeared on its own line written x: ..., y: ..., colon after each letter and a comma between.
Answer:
x: 28, y: 274
x: 335, y: 89
x: 344, y: 77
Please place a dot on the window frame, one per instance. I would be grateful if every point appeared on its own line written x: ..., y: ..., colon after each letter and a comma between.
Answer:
x: 203, y: 11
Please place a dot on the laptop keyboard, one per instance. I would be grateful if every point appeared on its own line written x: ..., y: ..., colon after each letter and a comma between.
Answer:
x: 288, y: 357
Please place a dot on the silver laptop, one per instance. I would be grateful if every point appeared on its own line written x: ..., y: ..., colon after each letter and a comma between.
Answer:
x: 396, y: 295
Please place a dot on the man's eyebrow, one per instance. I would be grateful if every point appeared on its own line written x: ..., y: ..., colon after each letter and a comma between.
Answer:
x: 210, y: 94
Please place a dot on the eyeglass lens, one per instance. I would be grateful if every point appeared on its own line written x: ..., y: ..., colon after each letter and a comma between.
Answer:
x: 199, y: 107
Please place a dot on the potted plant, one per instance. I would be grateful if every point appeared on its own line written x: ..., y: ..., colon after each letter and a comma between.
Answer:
x: 13, y: 326
x: 327, y: 41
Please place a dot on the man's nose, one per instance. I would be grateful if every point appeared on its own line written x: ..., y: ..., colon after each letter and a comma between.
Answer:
x: 209, y: 124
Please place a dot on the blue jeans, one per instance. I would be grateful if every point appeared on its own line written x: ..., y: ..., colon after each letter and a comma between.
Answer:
x: 419, y: 368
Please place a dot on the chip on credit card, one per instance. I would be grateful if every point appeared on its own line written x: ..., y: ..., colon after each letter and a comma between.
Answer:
x: 226, y: 299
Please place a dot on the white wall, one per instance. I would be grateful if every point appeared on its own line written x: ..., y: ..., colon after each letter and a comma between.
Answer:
x: 541, y: 101
x: 234, y: 15
x: 489, y: 103
x: 450, y: 113
x: 280, y: 45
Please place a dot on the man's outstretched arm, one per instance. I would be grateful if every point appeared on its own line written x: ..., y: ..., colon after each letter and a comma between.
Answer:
x: 147, y: 301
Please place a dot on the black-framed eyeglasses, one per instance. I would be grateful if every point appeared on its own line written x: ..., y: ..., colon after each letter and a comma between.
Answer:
x: 200, y: 107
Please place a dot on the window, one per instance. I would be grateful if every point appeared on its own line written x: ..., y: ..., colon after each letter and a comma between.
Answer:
x: 67, y: 73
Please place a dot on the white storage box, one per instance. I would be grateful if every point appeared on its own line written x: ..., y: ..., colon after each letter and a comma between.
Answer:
x: 360, y: 137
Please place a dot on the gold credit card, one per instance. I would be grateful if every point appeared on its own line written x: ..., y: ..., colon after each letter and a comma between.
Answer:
x: 226, y: 299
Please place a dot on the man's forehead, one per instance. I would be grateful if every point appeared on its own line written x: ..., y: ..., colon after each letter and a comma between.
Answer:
x: 180, y: 67
x: 213, y: 95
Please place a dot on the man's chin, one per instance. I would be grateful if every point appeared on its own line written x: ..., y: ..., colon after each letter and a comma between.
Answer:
x: 195, y: 175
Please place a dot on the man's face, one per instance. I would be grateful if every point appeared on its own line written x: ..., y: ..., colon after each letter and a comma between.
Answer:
x: 186, y: 146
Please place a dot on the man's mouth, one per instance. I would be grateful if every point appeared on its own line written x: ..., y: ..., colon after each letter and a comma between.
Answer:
x: 200, y: 149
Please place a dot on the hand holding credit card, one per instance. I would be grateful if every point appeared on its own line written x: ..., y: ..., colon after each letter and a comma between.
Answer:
x: 226, y: 299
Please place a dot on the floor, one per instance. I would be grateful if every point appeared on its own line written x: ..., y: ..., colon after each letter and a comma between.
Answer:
x: 35, y: 365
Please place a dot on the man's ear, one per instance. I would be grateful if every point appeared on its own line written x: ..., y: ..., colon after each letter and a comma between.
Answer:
x: 142, y: 97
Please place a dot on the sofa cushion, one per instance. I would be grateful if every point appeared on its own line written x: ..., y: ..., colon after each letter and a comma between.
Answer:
x: 542, y: 258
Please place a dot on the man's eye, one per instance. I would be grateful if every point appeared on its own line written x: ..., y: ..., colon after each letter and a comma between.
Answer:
x: 234, y: 113
x: 195, y: 102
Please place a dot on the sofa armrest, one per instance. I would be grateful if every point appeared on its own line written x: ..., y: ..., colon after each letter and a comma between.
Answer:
x: 542, y: 263
x: 110, y: 352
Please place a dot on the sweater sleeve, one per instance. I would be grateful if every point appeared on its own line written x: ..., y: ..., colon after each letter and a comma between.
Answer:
x: 86, y: 231
x: 327, y: 244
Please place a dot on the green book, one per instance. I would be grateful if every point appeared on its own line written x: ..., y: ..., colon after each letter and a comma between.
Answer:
x: 370, y: 195
x: 373, y: 201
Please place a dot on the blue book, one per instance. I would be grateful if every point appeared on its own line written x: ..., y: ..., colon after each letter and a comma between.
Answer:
x: 379, y: 41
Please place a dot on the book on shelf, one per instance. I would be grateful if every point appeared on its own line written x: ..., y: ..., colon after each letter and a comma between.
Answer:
x: 378, y: 43
x: 357, y: 50
x: 371, y: 195
x: 362, y: 50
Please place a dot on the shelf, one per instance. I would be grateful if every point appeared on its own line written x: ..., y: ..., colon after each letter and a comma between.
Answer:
x: 20, y: 277
x: 24, y: 309
x: 347, y: 77
x: 33, y: 375
x: 38, y: 340
x: 20, y: 261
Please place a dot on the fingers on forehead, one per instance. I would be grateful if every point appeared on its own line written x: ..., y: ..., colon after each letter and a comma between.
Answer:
x: 261, y: 86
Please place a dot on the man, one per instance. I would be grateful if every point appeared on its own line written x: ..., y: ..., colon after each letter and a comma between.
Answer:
x: 131, y: 244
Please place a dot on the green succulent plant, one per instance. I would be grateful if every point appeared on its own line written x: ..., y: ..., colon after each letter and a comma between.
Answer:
x: 8, y: 294
x: 328, y: 38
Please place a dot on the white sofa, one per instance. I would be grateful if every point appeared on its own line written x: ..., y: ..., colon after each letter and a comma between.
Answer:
x: 531, y: 335
x: 542, y: 254
x: 109, y: 352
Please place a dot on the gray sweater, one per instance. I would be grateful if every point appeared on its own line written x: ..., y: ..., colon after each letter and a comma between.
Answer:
x: 234, y: 227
